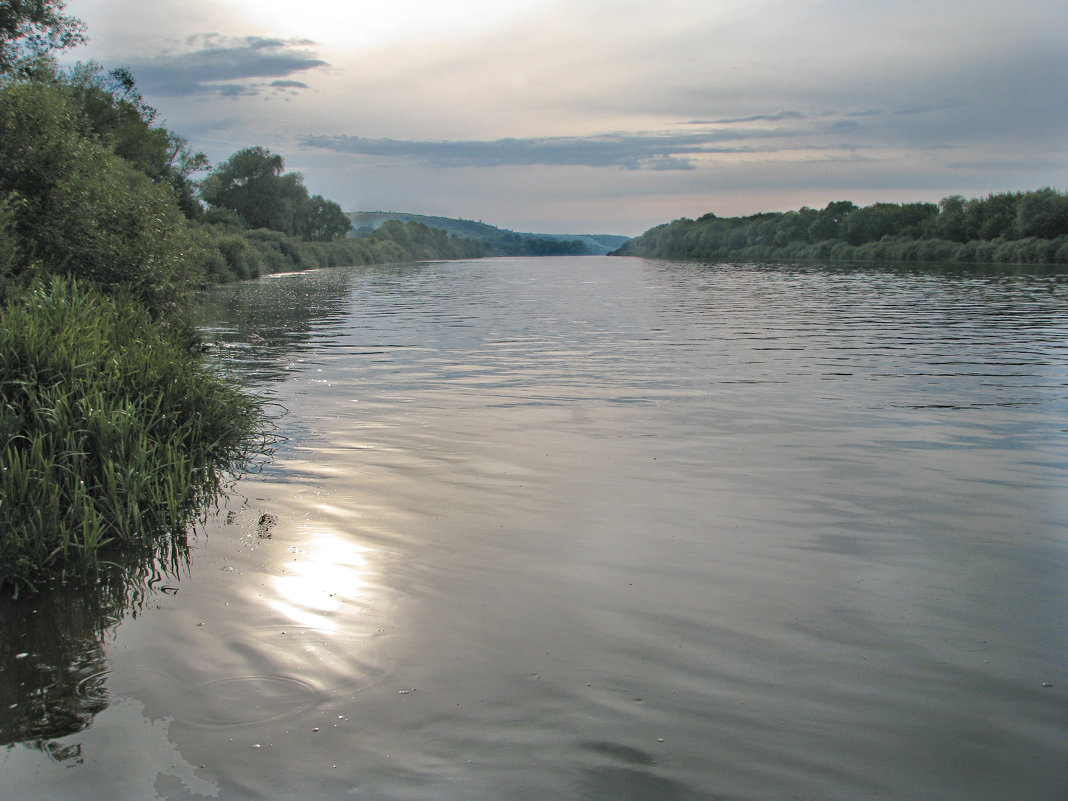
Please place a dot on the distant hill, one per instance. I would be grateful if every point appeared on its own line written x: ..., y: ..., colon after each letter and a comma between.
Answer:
x: 499, y: 241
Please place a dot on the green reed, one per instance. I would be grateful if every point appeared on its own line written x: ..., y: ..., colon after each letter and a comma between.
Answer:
x: 113, y: 433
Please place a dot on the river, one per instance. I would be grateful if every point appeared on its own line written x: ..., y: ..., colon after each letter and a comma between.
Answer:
x: 595, y: 528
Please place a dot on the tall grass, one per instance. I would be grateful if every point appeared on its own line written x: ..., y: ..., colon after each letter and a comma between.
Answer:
x: 113, y: 432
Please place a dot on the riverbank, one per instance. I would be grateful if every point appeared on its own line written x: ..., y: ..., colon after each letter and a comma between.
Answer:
x: 225, y: 253
x: 115, y: 435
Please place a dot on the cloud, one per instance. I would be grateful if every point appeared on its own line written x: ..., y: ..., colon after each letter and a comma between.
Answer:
x: 631, y: 151
x: 227, y: 66
x: 782, y: 115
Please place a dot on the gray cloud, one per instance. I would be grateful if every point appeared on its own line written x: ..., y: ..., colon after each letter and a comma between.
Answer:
x: 216, y: 63
x: 631, y: 151
x: 782, y: 115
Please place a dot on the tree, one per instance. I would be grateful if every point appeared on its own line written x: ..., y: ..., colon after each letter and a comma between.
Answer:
x: 31, y: 29
x: 252, y: 184
x: 992, y: 217
x: 872, y: 223
x: 827, y: 222
x: 115, y: 111
x: 950, y: 223
x: 1043, y: 213
x: 324, y: 220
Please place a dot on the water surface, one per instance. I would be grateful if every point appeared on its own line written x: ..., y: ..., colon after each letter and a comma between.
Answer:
x: 593, y: 528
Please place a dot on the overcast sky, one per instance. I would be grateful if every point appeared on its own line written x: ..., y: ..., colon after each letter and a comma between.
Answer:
x: 609, y: 116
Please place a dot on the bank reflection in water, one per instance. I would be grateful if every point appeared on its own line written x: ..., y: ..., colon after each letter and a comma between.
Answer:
x: 53, y: 668
x: 270, y: 323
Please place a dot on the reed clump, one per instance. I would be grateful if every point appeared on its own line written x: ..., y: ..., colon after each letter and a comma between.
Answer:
x: 113, y: 432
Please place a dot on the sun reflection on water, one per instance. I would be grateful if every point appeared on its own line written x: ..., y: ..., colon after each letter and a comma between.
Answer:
x: 328, y: 570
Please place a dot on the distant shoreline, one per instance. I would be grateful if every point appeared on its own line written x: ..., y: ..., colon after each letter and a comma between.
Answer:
x: 1009, y: 228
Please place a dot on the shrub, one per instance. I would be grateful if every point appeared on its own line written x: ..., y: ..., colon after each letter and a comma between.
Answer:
x: 81, y: 209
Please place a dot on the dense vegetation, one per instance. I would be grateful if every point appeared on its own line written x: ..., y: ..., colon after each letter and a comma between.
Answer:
x: 114, y: 430
x: 226, y: 250
x: 1008, y: 228
x: 262, y: 220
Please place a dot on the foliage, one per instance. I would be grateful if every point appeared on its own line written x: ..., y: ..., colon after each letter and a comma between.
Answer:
x: 115, y: 111
x: 1021, y: 227
x: 494, y: 241
x: 229, y: 253
x: 32, y: 29
x: 252, y: 184
x: 324, y: 220
x: 113, y: 432
x: 77, y: 208
x: 8, y: 240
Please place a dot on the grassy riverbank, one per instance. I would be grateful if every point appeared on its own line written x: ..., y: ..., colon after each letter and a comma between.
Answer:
x: 114, y: 430
x: 114, y: 433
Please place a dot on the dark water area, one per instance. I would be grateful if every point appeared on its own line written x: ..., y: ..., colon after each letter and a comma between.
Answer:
x: 595, y: 528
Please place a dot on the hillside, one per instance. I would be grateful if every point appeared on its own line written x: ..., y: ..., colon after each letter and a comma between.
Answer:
x: 500, y: 241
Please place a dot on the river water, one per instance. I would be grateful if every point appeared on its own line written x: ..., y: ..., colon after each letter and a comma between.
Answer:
x: 596, y: 528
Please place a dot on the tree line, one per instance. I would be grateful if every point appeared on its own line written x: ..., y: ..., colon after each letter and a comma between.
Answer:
x: 1006, y: 228
x: 92, y: 184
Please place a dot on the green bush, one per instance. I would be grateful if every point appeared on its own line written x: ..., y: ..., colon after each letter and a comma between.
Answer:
x: 77, y: 208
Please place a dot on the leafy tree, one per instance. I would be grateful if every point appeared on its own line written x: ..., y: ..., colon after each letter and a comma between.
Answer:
x: 951, y: 222
x: 1043, y: 214
x: 227, y: 218
x: 251, y: 183
x: 794, y: 225
x: 31, y: 29
x: 992, y: 217
x: 872, y: 223
x: 324, y: 220
x: 825, y: 226
x: 115, y: 111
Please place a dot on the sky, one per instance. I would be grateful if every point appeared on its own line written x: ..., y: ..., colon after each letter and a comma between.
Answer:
x: 608, y: 116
